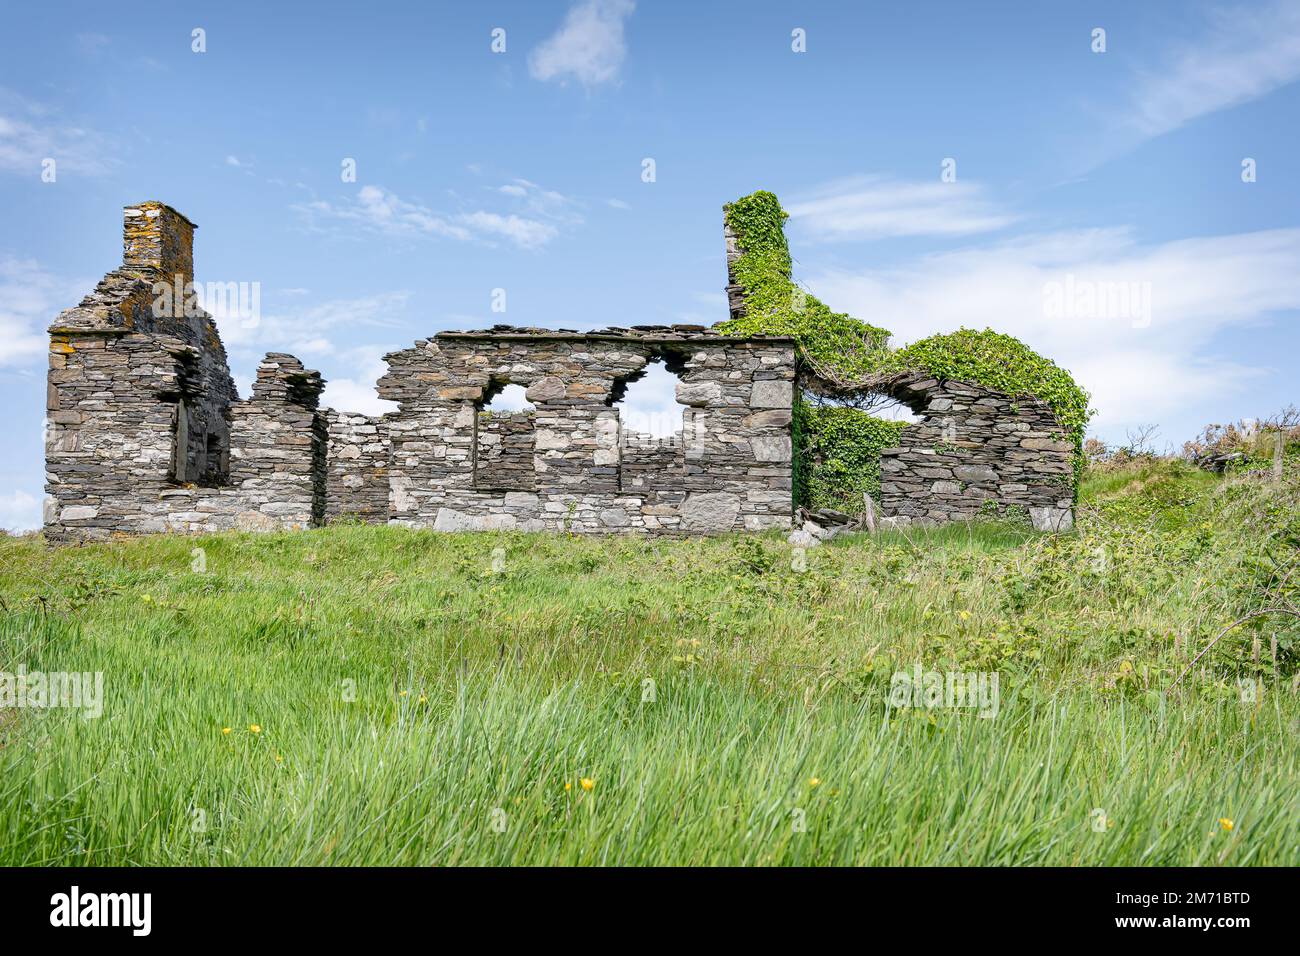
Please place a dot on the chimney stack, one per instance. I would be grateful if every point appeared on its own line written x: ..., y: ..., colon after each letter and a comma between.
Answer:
x: 158, y: 242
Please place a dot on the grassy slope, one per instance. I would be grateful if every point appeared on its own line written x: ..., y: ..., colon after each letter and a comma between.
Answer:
x: 477, y: 690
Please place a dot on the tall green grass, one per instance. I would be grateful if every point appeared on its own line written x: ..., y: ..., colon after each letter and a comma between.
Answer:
x: 725, y: 703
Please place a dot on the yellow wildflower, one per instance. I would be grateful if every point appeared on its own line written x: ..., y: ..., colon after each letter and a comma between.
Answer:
x: 587, y: 783
x: 1225, y: 823
x: 815, y: 782
x: 225, y: 730
x: 254, y: 728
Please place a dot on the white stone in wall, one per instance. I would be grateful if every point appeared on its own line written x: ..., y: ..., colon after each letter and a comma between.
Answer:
x: 771, y: 394
x: 448, y: 519
x: 710, y: 511
x: 545, y: 389
x: 698, y: 394
x: 772, y: 448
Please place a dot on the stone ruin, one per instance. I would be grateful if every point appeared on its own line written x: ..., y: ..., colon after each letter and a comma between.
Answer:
x: 147, y: 433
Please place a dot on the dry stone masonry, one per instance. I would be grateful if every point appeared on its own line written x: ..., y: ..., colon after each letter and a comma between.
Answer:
x: 569, y: 464
x: 976, y: 450
x: 146, y: 432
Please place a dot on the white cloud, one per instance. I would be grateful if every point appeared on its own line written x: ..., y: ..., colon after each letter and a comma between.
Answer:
x: 1139, y: 368
x: 356, y: 392
x: 650, y: 405
x: 526, y: 233
x: 1251, y: 51
x: 305, y: 329
x: 30, y: 298
x: 30, y: 133
x: 512, y: 398
x: 617, y: 204
x: 589, y: 46
x: 376, y: 209
x: 873, y: 207
x: 19, y: 511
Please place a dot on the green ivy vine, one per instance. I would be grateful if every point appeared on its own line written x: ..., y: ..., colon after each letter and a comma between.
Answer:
x: 839, y: 455
x: 837, y: 448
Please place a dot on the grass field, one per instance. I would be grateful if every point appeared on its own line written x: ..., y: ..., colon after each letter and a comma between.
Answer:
x: 360, y: 695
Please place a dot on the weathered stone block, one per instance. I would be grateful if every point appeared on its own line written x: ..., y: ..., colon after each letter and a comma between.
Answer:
x: 698, y: 394
x: 546, y: 389
x: 1052, y: 519
x: 710, y: 511
x: 771, y: 394
x: 771, y: 448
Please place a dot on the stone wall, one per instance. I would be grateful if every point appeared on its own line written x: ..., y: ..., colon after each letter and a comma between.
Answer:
x: 976, y: 451
x: 735, y: 457
x: 147, y: 433
x: 145, y: 430
x: 504, y: 452
x: 357, y: 467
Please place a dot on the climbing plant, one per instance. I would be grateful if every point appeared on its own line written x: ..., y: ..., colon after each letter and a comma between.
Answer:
x: 999, y: 362
x: 855, y: 356
x: 839, y: 455
x: 832, y: 342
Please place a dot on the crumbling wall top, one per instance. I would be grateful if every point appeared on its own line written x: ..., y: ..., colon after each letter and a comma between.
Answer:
x: 642, y: 333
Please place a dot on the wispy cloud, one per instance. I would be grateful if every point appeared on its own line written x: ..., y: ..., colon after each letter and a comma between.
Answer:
x: 526, y: 233
x: 306, y: 328
x: 375, y: 209
x: 30, y: 298
x: 1249, y: 52
x: 355, y: 391
x: 1160, y: 366
x: 378, y: 210
x: 19, y: 511
x: 540, y: 201
x: 874, y: 207
x: 30, y: 132
x: 589, y: 46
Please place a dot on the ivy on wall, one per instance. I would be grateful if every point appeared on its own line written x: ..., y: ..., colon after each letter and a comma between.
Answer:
x: 839, y: 456
x: 999, y: 362
x: 833, y: 342
x: 837, y: 449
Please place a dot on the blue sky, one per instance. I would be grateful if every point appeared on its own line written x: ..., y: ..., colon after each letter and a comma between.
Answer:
x: 522, y: 170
